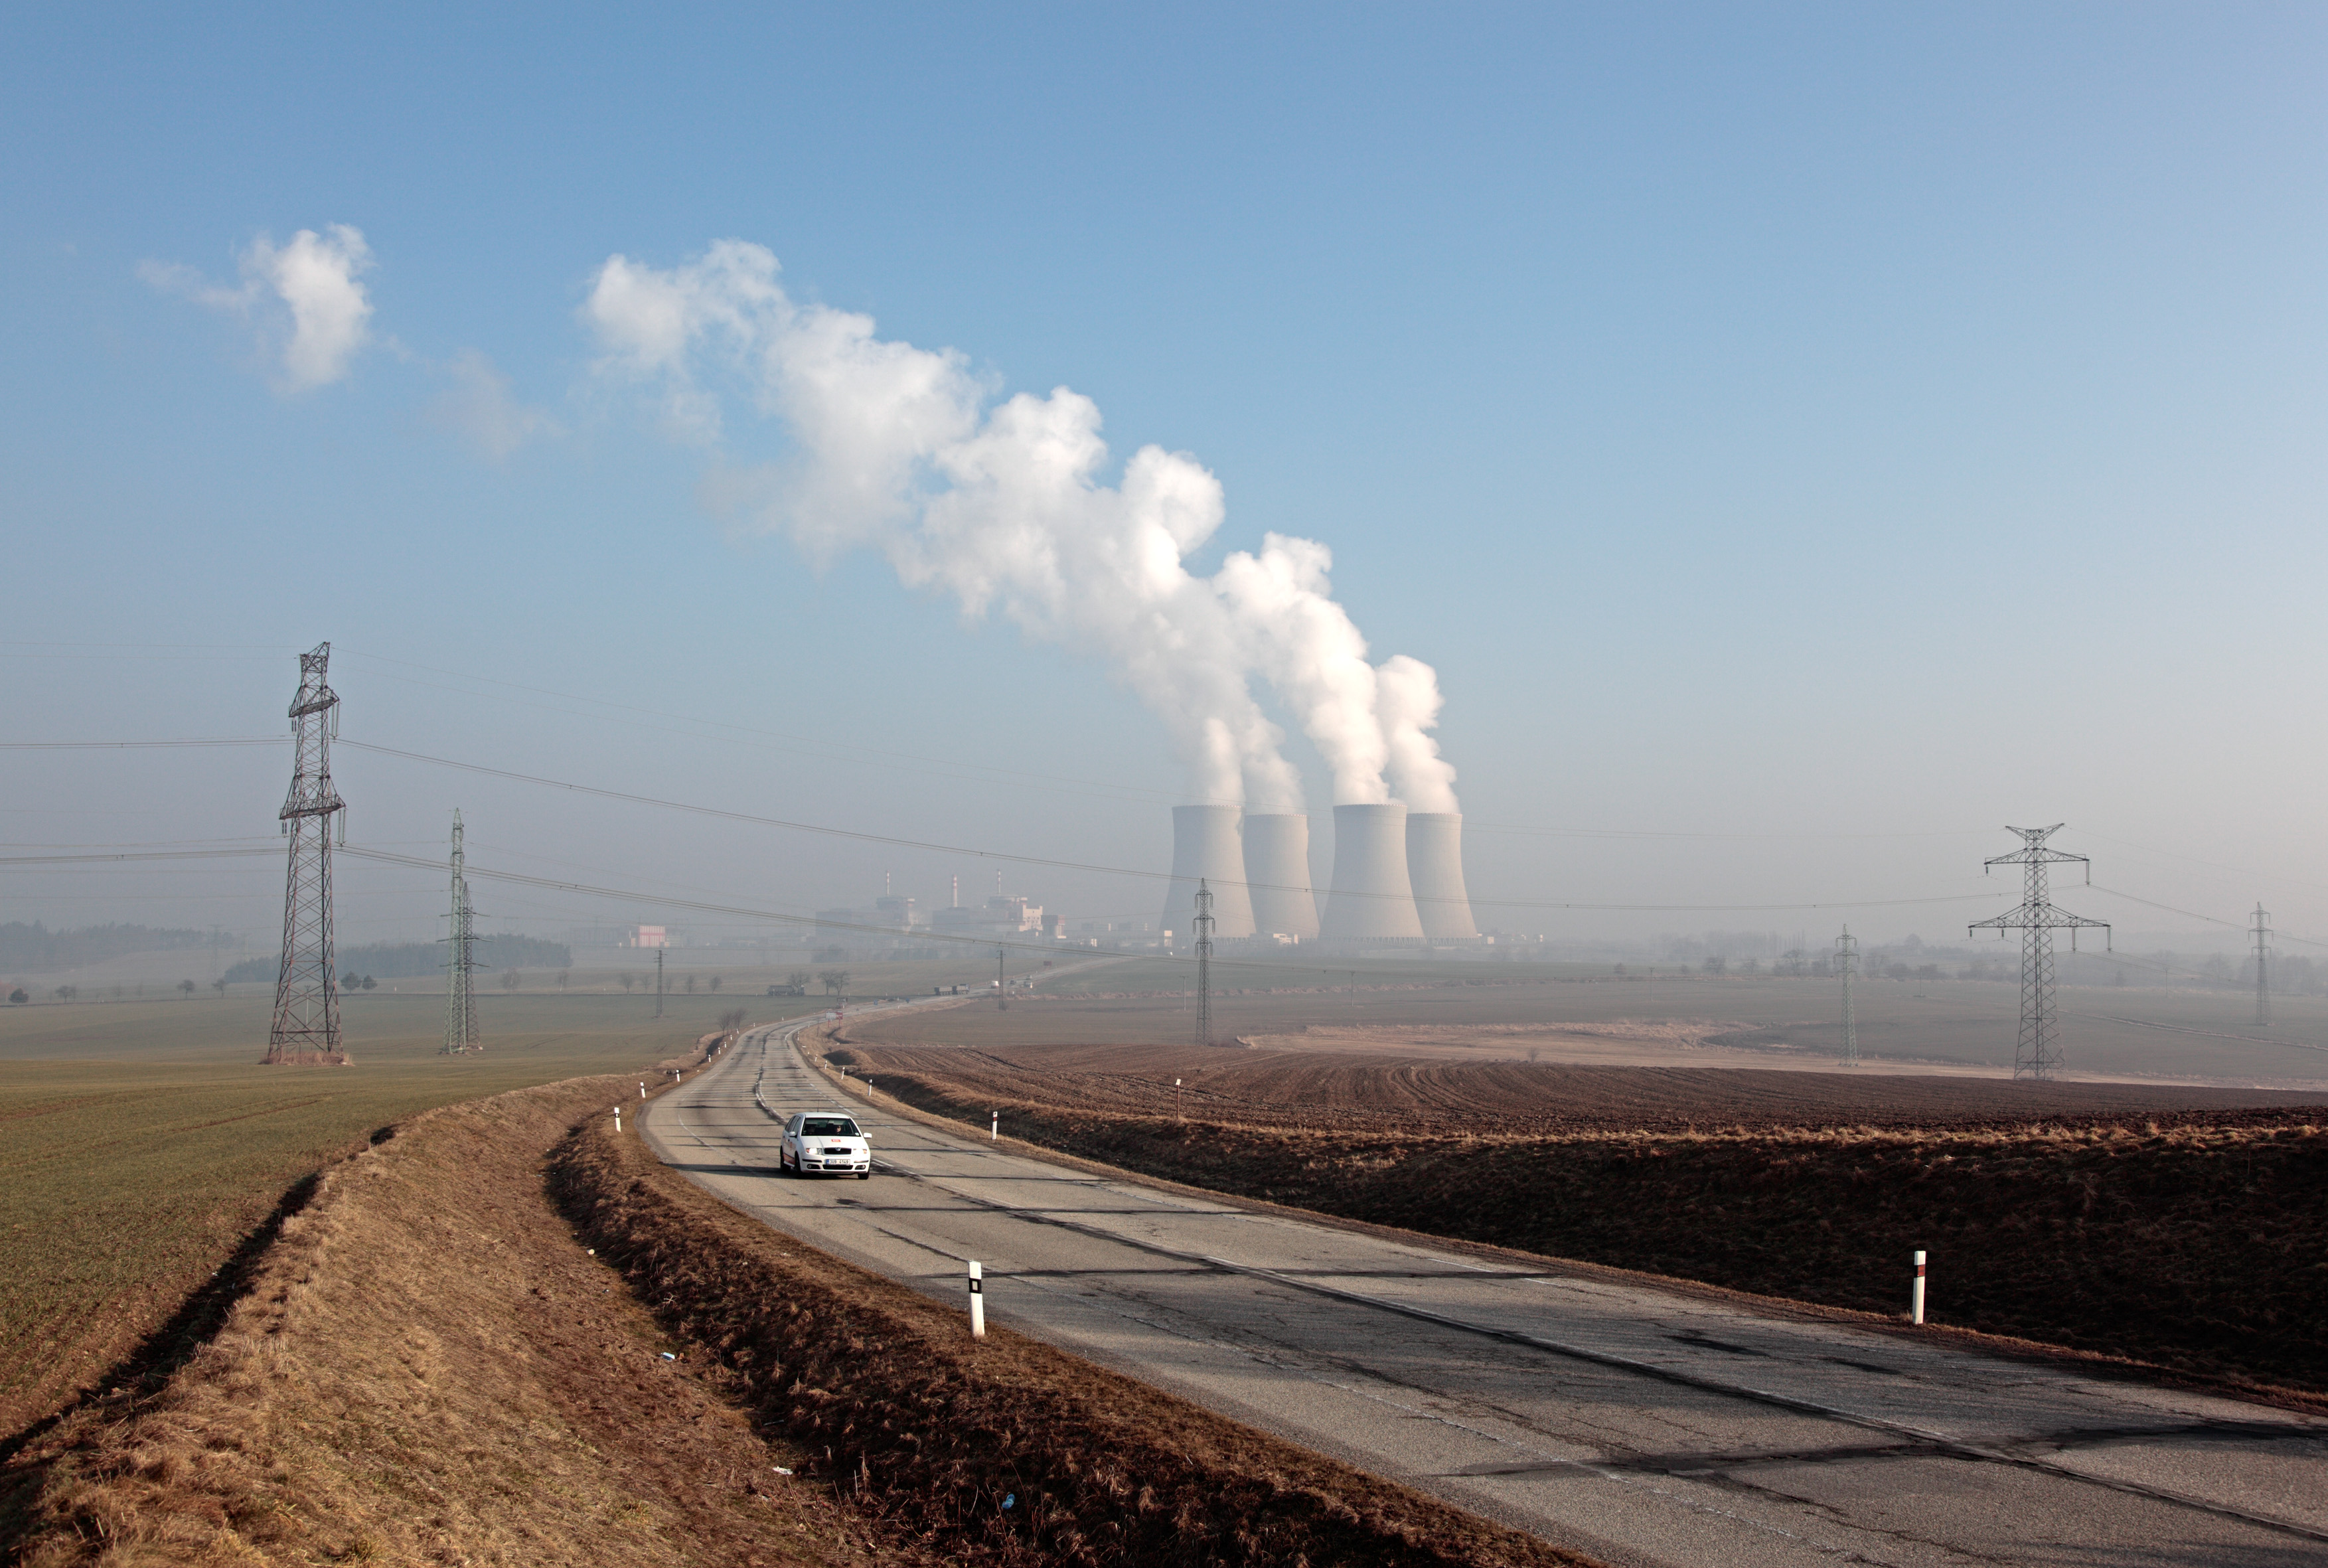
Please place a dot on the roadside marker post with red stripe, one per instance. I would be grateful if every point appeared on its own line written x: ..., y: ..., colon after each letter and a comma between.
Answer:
x: 1916, y: 1295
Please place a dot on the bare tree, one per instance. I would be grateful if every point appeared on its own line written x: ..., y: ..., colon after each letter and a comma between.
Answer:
x: 220, y: 986
x: 67, y: 992
x: 798, y: 981
x: 561, y: 979
x: 835, y: 981
x: 509, y: 980
x: 627, y: 981
x: 715, y: 984
x: 186, y: 988
x: 690, y: 985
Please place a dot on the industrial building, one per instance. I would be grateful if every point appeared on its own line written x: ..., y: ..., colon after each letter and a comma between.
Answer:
x: 1398, y: 877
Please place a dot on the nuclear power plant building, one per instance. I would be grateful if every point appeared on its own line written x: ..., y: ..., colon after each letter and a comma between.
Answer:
x: 1371, y: 895
x: 1434, y: 866
x: 1277, y: 868
x: 1207, y: 846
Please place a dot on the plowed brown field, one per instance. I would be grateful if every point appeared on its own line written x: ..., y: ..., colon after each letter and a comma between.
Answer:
x: 2125, y: 1033
x: 2182, y: 1227
x: 1371, y: 1092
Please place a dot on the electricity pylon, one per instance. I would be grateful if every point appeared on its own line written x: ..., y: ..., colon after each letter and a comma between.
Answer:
x: 2262, y: 930
x: 306, y: 1027
x: 460, y: 998
x: 2037, y: 1054
x: 1204, y: 928
x: 1846, y: 959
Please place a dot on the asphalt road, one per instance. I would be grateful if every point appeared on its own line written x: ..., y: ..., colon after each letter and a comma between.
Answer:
x: 1639, y: 1426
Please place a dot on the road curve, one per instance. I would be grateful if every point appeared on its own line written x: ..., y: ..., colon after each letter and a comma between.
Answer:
x: 1643, y: 1427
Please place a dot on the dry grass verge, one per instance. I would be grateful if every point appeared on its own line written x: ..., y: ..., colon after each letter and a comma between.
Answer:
x: 1002, y: 1450
x: 428, y: 1368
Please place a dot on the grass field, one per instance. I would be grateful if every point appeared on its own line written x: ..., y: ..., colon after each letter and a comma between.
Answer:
x: 140, y: 1143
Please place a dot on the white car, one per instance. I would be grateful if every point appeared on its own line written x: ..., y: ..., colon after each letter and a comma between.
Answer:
x: 824, y: 1141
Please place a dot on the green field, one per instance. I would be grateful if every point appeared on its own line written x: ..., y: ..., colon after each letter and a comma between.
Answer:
x: 140, y: 1143
x: 141, y: 1140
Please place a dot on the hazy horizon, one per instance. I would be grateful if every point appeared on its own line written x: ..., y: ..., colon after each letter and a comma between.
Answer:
x: 1792, y: 447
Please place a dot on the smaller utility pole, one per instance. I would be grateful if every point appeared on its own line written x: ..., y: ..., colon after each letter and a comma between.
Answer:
x: 1002, y: 985
x: 1204, y: 926
x: 658, y: 982
x: 460, y: 964
x: 1846, y: 959
x: 2262, y: 929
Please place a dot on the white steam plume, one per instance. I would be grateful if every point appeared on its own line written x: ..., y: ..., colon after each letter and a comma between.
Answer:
x: 1307, y: 646
x: 1407, y: 698
x: 895, y: 447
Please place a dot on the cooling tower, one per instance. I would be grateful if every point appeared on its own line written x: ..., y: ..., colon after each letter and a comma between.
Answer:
x: 1371, y: 896
x: 1434, y: 862
x: 1204, y: 843
x: 1276, y: 862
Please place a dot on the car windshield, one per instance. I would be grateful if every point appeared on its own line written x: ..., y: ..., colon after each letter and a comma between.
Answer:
x: 828, y: 1127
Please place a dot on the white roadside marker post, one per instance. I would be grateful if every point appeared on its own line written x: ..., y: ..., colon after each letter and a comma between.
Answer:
x: 642, y: 1088
x: 1176, y: 1101
x: 1916, y: 1292
x: 977, y: 1301
x: 618, y: 1118
x: 994, y: 1133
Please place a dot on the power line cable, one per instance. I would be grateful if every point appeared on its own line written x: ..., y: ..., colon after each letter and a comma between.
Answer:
x: 141, y: 745
x: 2239, y: 926
x: 860, y: 836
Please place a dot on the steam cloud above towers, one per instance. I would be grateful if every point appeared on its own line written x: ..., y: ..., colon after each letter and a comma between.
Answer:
x: 1002, y: 504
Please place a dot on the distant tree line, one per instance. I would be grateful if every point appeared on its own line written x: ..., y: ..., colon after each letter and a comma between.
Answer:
x: 36, y: 946
x: 413, y: 960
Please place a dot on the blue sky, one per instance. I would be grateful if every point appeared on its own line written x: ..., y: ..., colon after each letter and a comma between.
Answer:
x: 1871, y: 421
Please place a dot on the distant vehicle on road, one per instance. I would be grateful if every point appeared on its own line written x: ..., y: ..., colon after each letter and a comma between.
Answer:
x: 822, y: 1141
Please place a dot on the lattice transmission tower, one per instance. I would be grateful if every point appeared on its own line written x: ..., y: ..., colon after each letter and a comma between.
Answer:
x: 306, y: 1027
x: 1846, y: 963
x: 2261, y: 931
x: 1204, y: 928
x: 460, y: 994
x: 2038, y: 1052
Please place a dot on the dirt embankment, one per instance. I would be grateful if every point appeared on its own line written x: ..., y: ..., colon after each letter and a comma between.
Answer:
x: 1002, y: 1451
x: 431, y: 1363
x: 428, y: 1367
x: 2197, y: 1241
